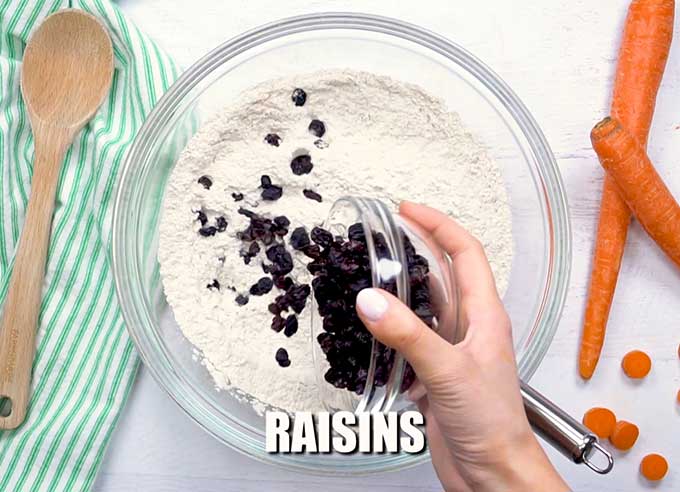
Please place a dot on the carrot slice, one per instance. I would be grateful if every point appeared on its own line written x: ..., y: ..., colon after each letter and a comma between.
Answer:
x: 601, y: 421
x: 643, y: 54
x: 640, y: 185
x: 653, y: 467
x: 636, y: 364
x: 624, y: 435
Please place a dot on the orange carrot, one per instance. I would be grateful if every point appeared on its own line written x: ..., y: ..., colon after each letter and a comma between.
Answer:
x: 639, y: 184
x: 636, y: 364
x: 642, y: 59
x: 678, y: 396
x: 601, y: 421
x: 645, y: 44
x: 653, y: 467
x: 624, y: 435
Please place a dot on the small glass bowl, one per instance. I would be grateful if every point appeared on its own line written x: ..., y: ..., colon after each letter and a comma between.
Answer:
x: 392, y: 243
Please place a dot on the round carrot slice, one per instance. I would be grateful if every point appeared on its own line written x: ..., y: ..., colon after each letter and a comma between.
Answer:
x: 624, y: 435
x: 653, y: 467
x: 601, y: 421
x: 636, y: 364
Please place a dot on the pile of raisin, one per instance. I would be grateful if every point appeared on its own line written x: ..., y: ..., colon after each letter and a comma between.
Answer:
x: 341, y: 269
x: 264, y: 233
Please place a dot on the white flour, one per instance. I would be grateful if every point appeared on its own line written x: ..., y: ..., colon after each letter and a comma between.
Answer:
x: 386, y: 139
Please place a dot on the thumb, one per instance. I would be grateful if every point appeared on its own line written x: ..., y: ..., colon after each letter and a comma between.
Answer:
x: 395, y: 325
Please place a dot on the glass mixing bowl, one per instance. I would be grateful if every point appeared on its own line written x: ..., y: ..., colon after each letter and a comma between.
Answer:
x: 487, y: 106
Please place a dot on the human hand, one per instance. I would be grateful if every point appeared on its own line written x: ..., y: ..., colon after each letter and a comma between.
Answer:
x: 478, y: 433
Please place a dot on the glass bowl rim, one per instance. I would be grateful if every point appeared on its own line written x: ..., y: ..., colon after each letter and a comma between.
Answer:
x: 136, y: 312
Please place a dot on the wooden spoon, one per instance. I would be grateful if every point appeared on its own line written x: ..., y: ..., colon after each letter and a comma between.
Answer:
x: 67, y: 72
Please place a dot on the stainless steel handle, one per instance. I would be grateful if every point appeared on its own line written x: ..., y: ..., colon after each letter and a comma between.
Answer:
x: 562, y: 431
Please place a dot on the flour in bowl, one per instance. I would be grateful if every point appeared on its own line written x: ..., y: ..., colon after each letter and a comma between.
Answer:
x: 285, y: 151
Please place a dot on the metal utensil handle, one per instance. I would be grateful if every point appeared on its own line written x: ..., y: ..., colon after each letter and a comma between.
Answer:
x: 564, y: 433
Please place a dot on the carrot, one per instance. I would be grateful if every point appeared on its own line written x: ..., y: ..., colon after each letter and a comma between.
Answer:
x: 643, y: 53
x: 653, y: 467
x: 646, y: 41
x: 678, y: 396
x: 601, y: 421
x: 624, y: 435
x: 640, y: 185
x: 636, y: 364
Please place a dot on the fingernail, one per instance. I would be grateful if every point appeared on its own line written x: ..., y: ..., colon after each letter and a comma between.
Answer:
x: 372, y: 304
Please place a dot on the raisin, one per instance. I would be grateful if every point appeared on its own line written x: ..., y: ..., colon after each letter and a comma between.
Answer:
x: 278, y: 323
x: 313, y: 251
x: 282, y: 221
x: 282, y: 261
x: 202, y: 217
x: 283, y: 283
x: 298, y: 295
x: 299, y: 97
x: 221, y: 223
x: 299, y: 239
x: 207, y: 231
x: 312, y: 195
x: 272, y: 193
x: 272, y: 139
x: 274, y: 308
x: 282, y: 357
x: 247, y: 213
x: 317, y: 128
x: 205, y: 181
x: 356, y: 232
x: 291, y: 326
x: 262, y: 287
x: 281, y: 224
x: 322, y: 237
x: 301, y: 164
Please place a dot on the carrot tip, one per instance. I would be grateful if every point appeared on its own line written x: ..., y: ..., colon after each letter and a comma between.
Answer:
x: 586, y: 366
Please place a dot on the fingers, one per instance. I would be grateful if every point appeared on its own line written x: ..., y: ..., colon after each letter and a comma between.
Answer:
x: 479, y: 300
x: 395, y: 325
x: 473, y: 272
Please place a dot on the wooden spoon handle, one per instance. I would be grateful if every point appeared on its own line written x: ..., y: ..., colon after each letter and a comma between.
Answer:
x: 22, y: 306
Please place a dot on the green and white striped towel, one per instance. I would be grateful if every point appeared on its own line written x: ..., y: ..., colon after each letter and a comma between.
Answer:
x: 85, y: 362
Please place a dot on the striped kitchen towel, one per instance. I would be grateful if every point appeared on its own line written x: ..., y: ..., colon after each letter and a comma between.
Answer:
x: 85, y: 362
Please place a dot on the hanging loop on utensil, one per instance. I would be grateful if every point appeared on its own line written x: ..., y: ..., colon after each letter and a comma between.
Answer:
x: 600, y: 450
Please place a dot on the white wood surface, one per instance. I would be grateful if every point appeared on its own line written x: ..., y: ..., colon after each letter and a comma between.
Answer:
x: 559, y: 56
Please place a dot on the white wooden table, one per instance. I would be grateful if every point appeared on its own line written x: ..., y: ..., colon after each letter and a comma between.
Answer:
x: 559, y: 57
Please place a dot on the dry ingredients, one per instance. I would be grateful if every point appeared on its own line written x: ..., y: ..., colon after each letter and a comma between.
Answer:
x: 275, y: 161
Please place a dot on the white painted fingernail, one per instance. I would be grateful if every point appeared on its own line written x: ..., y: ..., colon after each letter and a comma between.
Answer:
x: 372, y: 304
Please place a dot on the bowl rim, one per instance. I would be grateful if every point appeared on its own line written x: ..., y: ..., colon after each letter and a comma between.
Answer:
x: 557, y: 216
